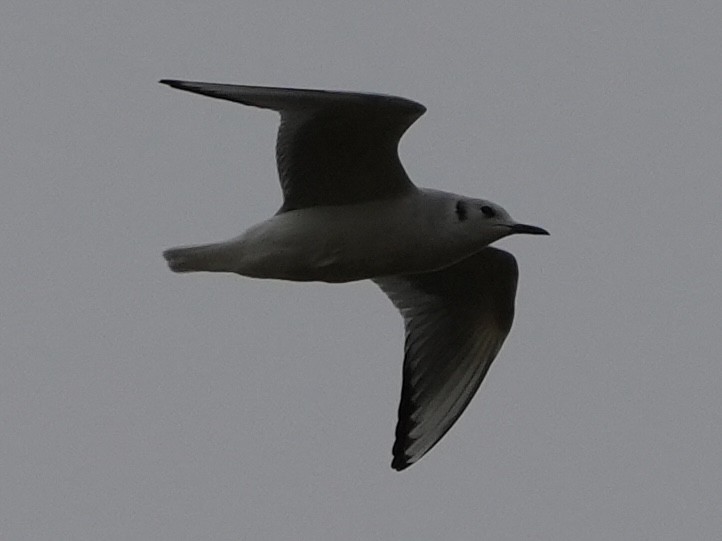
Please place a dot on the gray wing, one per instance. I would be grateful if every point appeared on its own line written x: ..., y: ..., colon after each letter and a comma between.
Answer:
x: 333, y: 148
x: 456, y: 320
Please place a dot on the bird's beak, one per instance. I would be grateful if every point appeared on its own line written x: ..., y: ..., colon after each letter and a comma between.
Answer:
x: 528, y: 229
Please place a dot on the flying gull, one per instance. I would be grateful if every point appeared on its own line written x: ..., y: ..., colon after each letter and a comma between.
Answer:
x: 350, y: 213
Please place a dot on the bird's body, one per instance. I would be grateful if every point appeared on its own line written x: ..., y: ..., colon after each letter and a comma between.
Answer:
x: 321, y: 243
x: 351, y: 213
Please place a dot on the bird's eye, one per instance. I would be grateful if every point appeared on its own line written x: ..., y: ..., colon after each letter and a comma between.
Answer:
x: 488, y: 211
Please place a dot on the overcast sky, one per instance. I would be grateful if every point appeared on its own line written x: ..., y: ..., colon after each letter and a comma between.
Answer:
x: 139, y: 404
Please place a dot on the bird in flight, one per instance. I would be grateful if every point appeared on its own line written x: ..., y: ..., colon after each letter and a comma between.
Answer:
x: 350, y: 212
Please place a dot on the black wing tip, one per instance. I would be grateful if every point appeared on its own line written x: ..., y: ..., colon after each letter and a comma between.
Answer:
x: 174, y: 83
x: 401, y: 459
x: 404, y: 425
x: 400, y: 463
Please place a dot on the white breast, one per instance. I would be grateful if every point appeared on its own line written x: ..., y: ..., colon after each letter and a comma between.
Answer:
x: 354, y: 242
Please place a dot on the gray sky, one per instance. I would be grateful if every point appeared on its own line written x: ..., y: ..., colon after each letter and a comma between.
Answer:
x: 138, y: 404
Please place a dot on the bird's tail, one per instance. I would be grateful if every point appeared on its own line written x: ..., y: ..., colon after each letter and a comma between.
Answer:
x: 206, y: 257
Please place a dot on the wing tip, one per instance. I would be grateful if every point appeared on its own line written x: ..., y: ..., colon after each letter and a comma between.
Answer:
x: 174, y: 83
x: 401, y: 462
x: 402, y: 459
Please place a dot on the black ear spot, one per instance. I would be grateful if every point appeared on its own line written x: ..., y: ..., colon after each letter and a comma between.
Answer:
x: 461, y: 211
x: 488, y: 211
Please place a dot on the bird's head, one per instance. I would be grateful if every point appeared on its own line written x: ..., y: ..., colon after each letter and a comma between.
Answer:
x: 493, y: 220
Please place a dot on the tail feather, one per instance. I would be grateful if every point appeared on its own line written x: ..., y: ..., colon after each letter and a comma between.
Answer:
x: 206, y: 257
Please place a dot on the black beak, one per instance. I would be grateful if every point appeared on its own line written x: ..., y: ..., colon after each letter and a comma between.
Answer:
x: 528, y: 229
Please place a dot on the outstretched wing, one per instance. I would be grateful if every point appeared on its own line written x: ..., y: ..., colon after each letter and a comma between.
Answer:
x: 456, y: 320
x: 333, y: 148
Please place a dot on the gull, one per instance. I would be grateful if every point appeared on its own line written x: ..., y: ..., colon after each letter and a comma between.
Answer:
x: 350, y: 212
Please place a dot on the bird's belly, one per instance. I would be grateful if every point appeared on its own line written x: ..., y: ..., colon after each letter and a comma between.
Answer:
x: 340, y: 246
